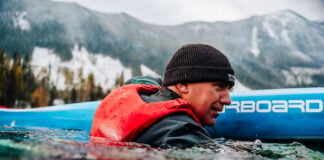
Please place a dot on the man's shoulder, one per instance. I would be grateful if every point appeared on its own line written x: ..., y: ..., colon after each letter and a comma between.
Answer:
x: 180, y: 117
x: 164, y: 94
x: 178, y: 130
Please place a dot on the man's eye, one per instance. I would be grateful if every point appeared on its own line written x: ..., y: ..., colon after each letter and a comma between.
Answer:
x: 221, y: 85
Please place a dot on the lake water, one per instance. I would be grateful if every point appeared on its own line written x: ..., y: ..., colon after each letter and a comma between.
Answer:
x: 44, y: 143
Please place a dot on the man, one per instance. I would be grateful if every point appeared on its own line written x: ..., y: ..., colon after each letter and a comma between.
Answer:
x: 195, y: 87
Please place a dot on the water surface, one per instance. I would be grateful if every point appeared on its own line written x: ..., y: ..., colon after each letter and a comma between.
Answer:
x: 45, y: 143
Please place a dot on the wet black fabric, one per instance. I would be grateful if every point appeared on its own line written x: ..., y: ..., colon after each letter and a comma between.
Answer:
x: 176, y: 130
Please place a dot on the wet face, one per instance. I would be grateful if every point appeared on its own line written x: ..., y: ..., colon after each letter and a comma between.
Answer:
x: 207, y: 99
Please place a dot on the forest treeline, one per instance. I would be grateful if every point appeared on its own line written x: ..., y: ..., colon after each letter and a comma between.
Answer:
x: 19, y: 88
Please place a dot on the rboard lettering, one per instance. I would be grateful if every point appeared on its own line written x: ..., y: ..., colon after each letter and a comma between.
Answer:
x: 277, y: 106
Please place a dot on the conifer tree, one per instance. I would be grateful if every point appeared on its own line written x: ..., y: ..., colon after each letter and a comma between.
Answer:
x: 20, y: 86
x: 73, y: 95
x: 29, y: 79
x: 4, y: 77
x: 69, y: 78
x: 121, y: 79
x: 92, y: 88
x: 52, y: 95
x: 99, y: 94
x: 12, y: 90
x: 11, y: 94
x: 82, y: 94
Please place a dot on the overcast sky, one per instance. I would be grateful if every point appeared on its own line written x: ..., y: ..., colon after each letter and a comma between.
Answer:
x: 171, y: 12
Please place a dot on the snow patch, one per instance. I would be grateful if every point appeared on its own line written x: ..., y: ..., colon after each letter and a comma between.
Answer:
x: 199, y: 27
x: 285, y: 35
x: 268, y: 28
x: 238, y: 87
x: 301, y: 75
x: 255, y: 49
x: 21, y: 22
x: 302, y: 56
x: 42, y: 60
x: 290, y: 78
x: 104, y: 68
x: 58, y: 102
x: 148, y: 72
x: 283, y: 18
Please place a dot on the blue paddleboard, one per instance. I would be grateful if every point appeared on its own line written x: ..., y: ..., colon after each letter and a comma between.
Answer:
x: 76, y: 116
x: 276, y: 114
x: 279, y: 114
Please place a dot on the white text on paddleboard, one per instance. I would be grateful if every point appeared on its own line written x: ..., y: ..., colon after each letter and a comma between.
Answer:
x: 278, y: 106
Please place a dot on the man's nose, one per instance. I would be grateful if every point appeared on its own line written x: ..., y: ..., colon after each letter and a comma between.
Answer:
x: 225, y: 99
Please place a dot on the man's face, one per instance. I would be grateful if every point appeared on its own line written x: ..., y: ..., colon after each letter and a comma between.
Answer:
x: 207, y: 99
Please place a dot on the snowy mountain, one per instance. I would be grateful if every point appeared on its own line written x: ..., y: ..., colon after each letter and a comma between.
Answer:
x: 104, y: 68
x: 278, y: 50
x: 81, y: 63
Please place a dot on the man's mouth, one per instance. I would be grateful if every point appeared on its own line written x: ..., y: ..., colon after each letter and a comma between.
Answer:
x: 214, y: 111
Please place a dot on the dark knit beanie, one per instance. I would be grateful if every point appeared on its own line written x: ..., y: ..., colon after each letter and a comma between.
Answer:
x: 198, y: 63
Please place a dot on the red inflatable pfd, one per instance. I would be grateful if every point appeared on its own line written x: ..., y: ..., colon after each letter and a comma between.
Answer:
x: 122, y: 115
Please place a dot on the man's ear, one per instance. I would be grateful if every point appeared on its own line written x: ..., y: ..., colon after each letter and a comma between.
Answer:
x: 182, y: 87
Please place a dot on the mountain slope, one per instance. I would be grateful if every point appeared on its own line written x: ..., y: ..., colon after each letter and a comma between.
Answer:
x: 282, y: 49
